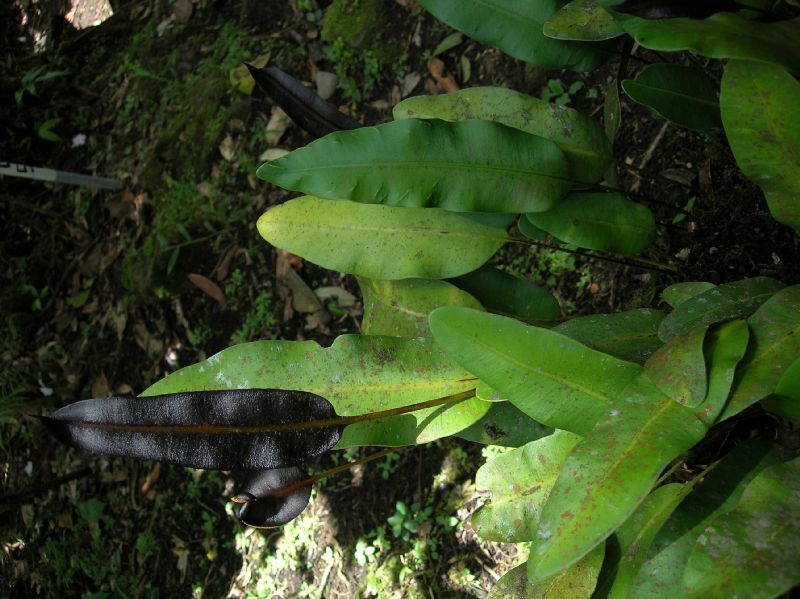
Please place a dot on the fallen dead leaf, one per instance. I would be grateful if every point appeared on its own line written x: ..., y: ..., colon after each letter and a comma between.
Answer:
x: 273, y: 154
x: 204, y: 189
x: 410, y: 81
x: 276, y: 127
x: 303, y: 299
x: 209, y: 287
x: 141, y: 335
x: 100, y: 386
x: 151, y: 478
x: 223, y: 267
x: 344, y: 299
x: 443, y: 79
x: 227, y: 148
x: 182, y: 9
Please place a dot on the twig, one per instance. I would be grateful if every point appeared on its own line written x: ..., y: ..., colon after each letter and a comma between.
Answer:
x: 638, y: 263
x: 649, y: 153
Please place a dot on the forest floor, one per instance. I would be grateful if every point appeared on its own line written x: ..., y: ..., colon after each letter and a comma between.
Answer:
x: 97, y: 296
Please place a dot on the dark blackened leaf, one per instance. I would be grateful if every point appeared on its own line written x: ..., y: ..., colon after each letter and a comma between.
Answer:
x: 306, y: 108
x: 671, y: 9
x: 273, y: 497
x: 245, y: 429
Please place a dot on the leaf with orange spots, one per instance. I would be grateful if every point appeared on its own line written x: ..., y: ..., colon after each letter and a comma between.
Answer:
x: 609, y: 473
x: 519, y: 482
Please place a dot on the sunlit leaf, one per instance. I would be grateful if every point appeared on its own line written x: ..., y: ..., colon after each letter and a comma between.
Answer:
x: 358, y: 374
x: 519, y: 482
x: 761, y: 112
x: 573, y: 583
x: 245, y: 429
x: 678, y: 368
x: 515, y: 27
x: 464, y: 166
x: 629, y: 335
x: 609, y: 473
x: 684, y: 95
x: 582, y: 20
x: 774, y: 346
x: 506, y: 294
x: 380, y: 242
x: 552, y: 378
x: 752, y: 550
x: 401, y: 308
x: 599, y: 221
x: 586, y: 149
x: 728, y: 301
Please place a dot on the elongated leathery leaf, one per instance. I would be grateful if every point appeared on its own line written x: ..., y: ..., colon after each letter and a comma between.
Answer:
x: 465, y: 167
x: 574, y: 582
x: 599, y: 221
x: 678, y: 368
x: 582, y: 20
x: 786, y: 401
x: 731, y: 300
x: 515, y: 27
x: 519, y: 481
x: 715, y: 495
x: 226, y: 430
x: 380, y: 242
x: 609, y: 473
x: 634, y: 538
x: 684, y: 95
x: 553, y: 379
x: 723, y: 35
x: 265, y: 500
x: 761, y: 112
x: 358, y: 374
x: 305, y: 107
x: 629, y: 335
x: 725, y: 346
x: 504, y: 425
x: 774, y: 345
x: 586, y: 149
x: 752, y: 550
x: 506, y: 294
x: 678, y: 293
x: 401, y: 308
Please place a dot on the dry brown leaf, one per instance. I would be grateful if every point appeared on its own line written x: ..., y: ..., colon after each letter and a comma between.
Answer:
x: 276, y: 127
x: 209, y: 287
x: 443, y: 79
x: 223, y: 267
x: 344, y: 299
x: 152, y: 477
x: 227, y: 148
x: 141, y: 335
x: 100, y: 386
x: 303, y: 299
x: 182, y: 9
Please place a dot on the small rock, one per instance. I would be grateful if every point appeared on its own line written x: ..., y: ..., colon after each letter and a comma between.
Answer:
x: 326, y: 84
